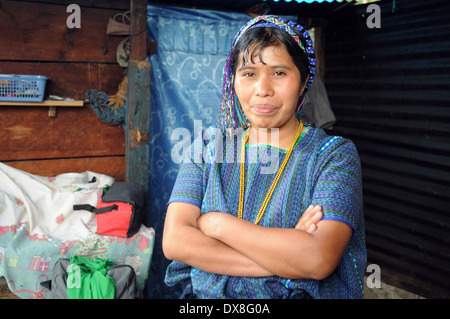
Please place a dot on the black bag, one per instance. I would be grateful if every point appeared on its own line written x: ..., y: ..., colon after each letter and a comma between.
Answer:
x: 120, y: 211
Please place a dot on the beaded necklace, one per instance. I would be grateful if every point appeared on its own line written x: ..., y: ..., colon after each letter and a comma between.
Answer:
x: 275, y: 181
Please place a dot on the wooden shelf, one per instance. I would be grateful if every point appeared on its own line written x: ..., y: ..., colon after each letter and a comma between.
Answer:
x: 51, y: 104
x: 76, y: 103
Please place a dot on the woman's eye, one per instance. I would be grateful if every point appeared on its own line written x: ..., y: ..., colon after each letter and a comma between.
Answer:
x: 279, y: 73
x: 248, y: 75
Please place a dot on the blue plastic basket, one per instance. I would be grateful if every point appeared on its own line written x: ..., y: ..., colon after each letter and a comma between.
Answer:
x: 22, y: 88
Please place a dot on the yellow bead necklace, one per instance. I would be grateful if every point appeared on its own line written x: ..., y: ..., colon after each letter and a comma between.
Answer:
x: 275, y: 181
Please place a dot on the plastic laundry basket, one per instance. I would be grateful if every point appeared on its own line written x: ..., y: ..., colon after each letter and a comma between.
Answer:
x: 22, y: 88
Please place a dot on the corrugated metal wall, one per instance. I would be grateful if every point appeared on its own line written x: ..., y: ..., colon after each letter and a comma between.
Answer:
x: 390, y: 91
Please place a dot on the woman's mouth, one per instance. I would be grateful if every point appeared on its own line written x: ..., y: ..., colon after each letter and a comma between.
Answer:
x: 264, y: 109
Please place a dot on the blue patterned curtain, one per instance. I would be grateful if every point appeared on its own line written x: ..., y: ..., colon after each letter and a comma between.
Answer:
x: 186, y: 84
x: 186, y: 81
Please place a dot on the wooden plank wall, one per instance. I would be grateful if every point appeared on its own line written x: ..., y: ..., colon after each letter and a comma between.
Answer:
x: 34, y: 39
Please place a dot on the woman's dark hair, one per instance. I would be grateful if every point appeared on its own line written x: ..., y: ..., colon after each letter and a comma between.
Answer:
x: 264, y: 37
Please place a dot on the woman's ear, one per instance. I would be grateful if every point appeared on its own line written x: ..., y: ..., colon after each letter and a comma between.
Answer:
x: 302, y: 87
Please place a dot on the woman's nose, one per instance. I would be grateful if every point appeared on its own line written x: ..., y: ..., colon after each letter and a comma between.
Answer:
x: 263, y: 87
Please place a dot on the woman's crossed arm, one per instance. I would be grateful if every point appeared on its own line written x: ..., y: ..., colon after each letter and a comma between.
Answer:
x: 223, y: 244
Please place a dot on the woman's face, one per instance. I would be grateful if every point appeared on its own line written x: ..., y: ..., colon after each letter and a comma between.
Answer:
x: 269, y: 90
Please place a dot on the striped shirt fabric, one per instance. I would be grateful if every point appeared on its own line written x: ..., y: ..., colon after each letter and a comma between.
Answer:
x: 323, y: 170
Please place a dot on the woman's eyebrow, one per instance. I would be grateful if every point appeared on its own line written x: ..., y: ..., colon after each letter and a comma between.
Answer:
x: 275, y: 66
x: 246, y: 67
x: 279, y: 66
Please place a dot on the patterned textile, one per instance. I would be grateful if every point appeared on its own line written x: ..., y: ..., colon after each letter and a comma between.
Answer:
x: 322, y: 170
x: 27, y: 260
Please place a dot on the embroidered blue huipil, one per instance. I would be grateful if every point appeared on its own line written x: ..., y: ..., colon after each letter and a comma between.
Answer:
x: 323, y: 170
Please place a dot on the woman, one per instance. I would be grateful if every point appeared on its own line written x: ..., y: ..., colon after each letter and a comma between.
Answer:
x: 239, y: 227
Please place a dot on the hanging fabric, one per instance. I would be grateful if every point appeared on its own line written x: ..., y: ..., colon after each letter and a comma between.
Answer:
x: 316, y: 108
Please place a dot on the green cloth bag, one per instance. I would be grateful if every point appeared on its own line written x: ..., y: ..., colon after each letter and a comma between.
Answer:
x: 87, y: 279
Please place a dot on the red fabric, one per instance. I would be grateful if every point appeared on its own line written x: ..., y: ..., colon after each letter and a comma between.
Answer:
x: 115, y: 222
